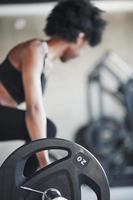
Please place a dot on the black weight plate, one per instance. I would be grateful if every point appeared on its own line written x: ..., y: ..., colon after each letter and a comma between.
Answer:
x: 66, y: 175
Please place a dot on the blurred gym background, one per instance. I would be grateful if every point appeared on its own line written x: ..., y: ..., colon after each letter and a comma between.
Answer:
x: 23, y: 20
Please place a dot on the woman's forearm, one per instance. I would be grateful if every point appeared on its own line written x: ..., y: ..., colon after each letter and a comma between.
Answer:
x: 36, y: 124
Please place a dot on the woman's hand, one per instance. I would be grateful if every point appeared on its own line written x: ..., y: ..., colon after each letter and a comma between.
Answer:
x: 43, y: 159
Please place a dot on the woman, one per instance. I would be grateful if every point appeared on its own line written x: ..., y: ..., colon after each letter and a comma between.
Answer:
x: 71, y: 25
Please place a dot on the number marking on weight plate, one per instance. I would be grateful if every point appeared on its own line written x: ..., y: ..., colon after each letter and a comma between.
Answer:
x: 81, y: 160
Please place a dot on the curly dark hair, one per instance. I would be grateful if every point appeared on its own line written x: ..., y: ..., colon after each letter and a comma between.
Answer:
x: 70, y: 17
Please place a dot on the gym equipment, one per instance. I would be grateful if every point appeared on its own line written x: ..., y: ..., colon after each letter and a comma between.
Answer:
x: 101, y: 136
x: 126, y: 91
x: 110, y: 139
x: 64, y: 177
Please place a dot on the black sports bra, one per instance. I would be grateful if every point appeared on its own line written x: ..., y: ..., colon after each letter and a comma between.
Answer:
x: 11, y: 78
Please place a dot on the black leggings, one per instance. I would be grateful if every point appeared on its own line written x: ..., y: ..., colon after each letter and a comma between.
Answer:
x: 13, y: 127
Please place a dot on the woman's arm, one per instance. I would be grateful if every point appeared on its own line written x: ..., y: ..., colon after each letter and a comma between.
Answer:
x: 35, y: 116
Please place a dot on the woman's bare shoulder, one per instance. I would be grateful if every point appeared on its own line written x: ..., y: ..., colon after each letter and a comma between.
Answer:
x: 26, y: 49
x: 32, y: 45
x: 28, y: 44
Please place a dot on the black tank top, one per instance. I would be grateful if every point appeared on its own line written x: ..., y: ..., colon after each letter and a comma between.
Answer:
x: 11, y: 78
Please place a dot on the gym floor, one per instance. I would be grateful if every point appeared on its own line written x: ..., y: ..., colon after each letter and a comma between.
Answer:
x: 70, y: 79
